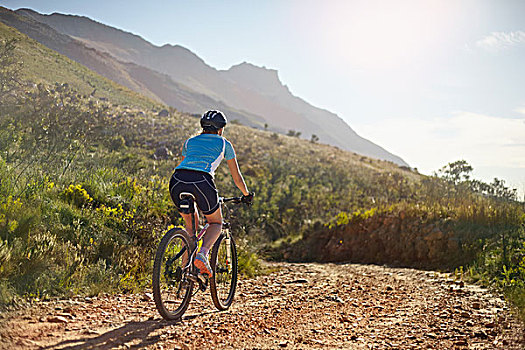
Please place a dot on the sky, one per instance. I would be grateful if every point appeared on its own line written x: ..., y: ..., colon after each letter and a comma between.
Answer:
x: 430, y: 81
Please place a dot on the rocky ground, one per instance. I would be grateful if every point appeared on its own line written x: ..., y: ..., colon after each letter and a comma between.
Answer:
x: 300, y: 306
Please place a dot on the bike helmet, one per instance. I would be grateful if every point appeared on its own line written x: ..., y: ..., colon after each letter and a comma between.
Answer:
x: 213, y: 120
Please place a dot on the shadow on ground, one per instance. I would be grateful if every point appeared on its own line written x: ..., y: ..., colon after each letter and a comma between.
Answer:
x: 128, y: 333
x: 136, y: 333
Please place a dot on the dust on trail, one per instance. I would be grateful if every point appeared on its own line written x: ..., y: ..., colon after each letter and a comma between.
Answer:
x: 300, y: 306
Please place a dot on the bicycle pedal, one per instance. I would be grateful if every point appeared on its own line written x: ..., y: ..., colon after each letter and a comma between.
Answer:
x: 203, y: 278
x: 203, y: 282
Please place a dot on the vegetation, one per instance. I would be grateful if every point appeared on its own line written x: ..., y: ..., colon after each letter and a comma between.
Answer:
x: 84, y: 198
x: 43, y: 65
x: 293, y: 133
x: 495, y: 222
x: 447, y: 221
x: 84, y: 201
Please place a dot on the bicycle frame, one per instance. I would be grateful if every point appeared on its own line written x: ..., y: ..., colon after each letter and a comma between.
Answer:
x: 197, y: 277
x: 171, y: 267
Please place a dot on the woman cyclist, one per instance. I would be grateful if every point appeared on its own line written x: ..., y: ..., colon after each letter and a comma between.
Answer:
x: 201, y: 155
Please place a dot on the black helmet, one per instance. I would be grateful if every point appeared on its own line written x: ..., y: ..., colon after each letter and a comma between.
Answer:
x: 213, y: 120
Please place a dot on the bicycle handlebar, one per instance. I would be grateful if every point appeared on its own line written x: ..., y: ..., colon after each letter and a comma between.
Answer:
x: 230, y: 199
x: 243, y: 199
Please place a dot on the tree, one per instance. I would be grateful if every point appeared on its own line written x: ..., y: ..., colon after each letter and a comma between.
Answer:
x: 456, y: 172
x: 498, y: 189
x: 314, y: 138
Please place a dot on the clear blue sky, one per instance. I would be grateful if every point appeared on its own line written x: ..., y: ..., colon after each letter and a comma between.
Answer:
x: 431, y: 81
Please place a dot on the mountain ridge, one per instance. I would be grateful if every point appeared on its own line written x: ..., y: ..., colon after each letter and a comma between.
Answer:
x: 266, y: 101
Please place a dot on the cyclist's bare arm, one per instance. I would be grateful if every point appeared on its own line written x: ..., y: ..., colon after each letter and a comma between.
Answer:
x: 181, y: 147
x: 237, y: 176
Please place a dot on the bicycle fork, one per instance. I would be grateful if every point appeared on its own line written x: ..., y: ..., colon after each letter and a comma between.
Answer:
x: 227, y: 240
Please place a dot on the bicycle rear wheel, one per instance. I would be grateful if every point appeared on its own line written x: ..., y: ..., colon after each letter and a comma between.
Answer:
x: 172, y: 290
x: 224, y: 264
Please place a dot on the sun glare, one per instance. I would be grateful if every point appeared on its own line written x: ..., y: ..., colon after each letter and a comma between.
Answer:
x: 375, y: 34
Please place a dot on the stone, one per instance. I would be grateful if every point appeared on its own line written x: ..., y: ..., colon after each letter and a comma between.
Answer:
x: 299, y: 280
x: 480, y: 334
x: 163, y: 113
x: 57, y: 319
x: 461, y: 342
x: 147, y: 297
x: 162, y: 153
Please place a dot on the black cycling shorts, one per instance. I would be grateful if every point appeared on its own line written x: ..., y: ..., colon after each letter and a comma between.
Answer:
x: 199, y: 184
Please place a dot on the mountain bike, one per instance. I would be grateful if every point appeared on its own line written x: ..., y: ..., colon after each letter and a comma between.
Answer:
x: 175, y: 276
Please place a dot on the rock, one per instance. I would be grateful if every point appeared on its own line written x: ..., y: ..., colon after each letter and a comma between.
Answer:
x: 57, y: 319
x: 26, y: 343
x: 389, y: 288
x: 163, y: 113
x: 461, y: 342
x: 162, y: 153
x: 299, y: 280
x: 480, y: 334
x: 283, y: 344
x: 147, y: 297
x: 476, y: 305
x: 344, y: 319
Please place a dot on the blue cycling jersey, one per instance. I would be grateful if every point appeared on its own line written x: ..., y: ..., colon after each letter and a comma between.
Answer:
x: 205, y: 152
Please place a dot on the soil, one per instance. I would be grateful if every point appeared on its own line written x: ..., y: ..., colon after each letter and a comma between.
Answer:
x: 299, y: 306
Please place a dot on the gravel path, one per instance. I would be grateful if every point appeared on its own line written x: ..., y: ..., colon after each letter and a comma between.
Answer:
x: 299, y: 306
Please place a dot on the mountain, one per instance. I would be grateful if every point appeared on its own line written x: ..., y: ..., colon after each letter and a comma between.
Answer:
x: 150, y: 83
x: 176, y: 76
x: 43, y: 65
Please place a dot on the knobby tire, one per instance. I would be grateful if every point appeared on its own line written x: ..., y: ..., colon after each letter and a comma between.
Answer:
x: 217, y: 287
x: 161, y: 284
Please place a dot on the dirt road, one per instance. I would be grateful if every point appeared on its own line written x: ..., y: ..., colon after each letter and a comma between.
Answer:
x: 300, y: 306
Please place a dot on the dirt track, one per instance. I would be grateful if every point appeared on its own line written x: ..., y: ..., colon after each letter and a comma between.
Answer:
x: 300, y: 306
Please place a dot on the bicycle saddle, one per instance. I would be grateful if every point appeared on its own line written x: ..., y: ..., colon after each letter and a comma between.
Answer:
x: 186, y: 204
x: 185, y: 195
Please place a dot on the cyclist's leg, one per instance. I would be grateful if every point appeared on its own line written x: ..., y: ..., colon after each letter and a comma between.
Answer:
x: 207, y: 199
x: 176, y: 188
x: 187, y: 222
x: 213, y: 231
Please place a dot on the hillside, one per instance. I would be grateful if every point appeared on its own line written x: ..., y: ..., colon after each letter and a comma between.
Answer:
x: 84, y: 193
x: 264, y: 100
x: 66, y: 157
x: 43, y: 65
x: 149, y: 83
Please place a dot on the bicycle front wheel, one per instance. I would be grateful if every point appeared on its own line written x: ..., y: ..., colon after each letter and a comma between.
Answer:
x: 172, y: 290
x: 224, y: 264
